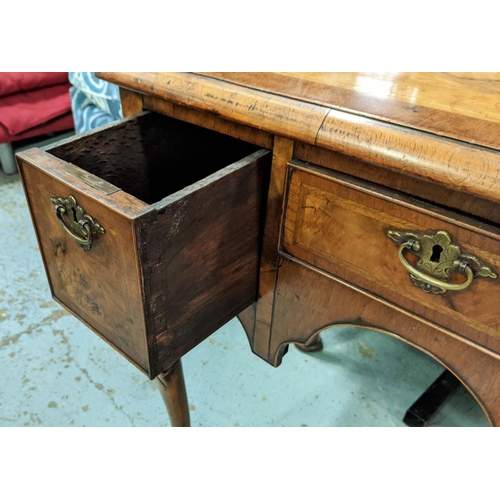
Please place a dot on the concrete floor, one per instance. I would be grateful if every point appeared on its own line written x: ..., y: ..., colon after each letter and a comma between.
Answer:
x: 56, y: 372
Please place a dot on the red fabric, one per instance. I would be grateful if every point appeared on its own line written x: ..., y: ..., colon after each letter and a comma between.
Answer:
x: 19, y: 113
x: 59, y: 124
x: 13, y: 83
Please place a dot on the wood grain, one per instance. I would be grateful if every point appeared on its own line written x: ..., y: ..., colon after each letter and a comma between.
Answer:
x: 173, y: 390
x: 101, y: 286
x: 423, y: 190
x: 247, y: 320
x: 463, y: 106
x: 131, y: 102
x: 308, y: 302
x: 462, y: 167
x: 200, y: 254
x: 179, y: 258
x: 192, y: 263
x: 340, y: 225
x: 452, y: 163
x: 271, y: 113
x: 210, y: 121
x: 282, y: 153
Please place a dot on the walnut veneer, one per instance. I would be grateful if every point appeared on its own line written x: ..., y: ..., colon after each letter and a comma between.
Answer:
x: 202, y: 223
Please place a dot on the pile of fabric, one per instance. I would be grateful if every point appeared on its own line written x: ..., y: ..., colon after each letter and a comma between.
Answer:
x: 36, y: 104
x: 33, y: 104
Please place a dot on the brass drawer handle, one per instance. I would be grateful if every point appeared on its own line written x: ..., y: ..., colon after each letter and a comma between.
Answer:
x: 438, y: 256
x: 430, y: 283
x: 78, y: 224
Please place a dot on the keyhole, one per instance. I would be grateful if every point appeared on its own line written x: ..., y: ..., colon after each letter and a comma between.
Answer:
x: 74, y: 214
x: 436, y: 253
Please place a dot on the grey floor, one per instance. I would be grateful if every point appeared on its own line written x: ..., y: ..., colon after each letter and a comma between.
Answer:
x: 56, y: 372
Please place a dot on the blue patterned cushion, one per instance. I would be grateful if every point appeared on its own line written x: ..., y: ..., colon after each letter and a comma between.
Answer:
x: 94, y: 102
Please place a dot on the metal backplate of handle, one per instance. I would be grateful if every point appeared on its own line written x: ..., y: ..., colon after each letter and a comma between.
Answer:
x: 438, y: 260
x: 78, y: 224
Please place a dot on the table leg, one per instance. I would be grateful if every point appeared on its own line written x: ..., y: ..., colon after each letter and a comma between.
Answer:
x: 173, y: 391
x: 315, y: 346
x: 422, y: 410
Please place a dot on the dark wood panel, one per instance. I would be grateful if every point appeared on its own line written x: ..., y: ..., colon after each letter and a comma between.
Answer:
x: 151, y: 156
x: 200, y: 253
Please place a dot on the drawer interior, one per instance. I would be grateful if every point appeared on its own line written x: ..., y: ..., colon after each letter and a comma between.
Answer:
x: 151, y: 156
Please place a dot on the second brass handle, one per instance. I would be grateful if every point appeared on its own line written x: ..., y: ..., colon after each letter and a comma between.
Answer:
x: 430, y: 280
x: 438, y: 256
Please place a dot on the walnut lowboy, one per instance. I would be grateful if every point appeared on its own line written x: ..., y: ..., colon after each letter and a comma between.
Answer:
x: 365, y: 203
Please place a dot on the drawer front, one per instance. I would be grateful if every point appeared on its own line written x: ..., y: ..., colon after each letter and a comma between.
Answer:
x: 100, y: 285
x: 182, y: 211
x: 357, y: 231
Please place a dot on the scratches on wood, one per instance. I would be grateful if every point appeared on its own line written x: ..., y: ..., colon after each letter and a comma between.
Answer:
x: 461, y: 166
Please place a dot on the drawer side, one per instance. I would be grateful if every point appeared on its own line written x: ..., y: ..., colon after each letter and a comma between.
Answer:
x: 200, y: 255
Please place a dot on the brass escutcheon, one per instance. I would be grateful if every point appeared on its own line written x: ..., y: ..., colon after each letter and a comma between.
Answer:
x: 76, y: 222
x: 437, y: 258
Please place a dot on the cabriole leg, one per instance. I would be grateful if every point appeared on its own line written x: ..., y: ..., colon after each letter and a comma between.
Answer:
x: 315, y: 346
x: 173, y: 391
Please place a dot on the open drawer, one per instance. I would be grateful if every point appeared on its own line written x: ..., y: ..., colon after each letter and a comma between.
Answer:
x: 150, y: 231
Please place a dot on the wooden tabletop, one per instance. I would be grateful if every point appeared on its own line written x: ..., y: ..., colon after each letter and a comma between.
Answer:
x: 442, y: 127
x: 463, y: 106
